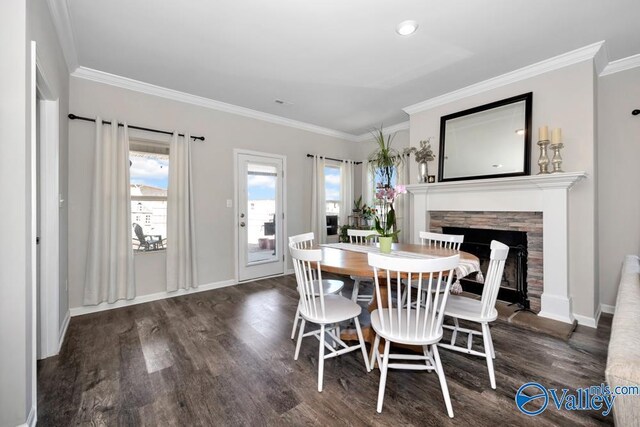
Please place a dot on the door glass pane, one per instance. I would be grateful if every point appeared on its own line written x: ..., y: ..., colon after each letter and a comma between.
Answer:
x: 261, y: 212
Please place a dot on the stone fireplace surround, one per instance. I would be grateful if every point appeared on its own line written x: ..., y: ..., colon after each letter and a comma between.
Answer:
x: 528, y: 222
x: 547, y: 194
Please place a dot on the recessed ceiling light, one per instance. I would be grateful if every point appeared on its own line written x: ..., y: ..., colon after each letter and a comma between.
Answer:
x: 407, y: 27
x: 497, y: 166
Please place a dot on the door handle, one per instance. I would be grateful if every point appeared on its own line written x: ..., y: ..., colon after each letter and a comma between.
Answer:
x: 242, y: 224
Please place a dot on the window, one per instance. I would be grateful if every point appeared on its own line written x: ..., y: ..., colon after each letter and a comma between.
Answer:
x: 332, y: 197
x: 332, y: 189
x: 149, y: 180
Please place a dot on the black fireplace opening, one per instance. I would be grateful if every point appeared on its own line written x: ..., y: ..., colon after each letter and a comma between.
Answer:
x: 477, y: 241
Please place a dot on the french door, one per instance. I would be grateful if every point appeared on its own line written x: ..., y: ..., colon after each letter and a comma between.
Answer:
x: 260, y: 215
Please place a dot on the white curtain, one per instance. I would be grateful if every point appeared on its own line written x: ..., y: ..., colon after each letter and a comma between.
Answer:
x: 346, y: 187
x: 110, y: 274
x: 367, y: 184
x: 181, y: 251
x: 318, y: 201
x: 402, y: 203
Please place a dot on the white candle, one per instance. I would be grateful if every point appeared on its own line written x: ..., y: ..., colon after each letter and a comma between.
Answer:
x: 543, y: 133
x: 556, y: 136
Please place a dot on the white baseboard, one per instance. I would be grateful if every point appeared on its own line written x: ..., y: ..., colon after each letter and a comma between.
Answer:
x: 591, y: 322
x: 289, y: 271
x: 79, y: 311
x: 606, y: 308
x: 63, y: 330
x: 31, y: 419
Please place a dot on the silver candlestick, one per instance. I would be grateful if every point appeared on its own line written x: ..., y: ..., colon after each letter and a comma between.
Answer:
x: 543, y: 161
x: 557, y: 158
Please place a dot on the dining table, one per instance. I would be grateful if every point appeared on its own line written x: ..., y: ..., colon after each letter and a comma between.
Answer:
x: 352, y: 260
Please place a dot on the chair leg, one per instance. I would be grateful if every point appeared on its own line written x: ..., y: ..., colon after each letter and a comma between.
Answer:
x: 295, y: 356
x: 295, y: 322
x: 321, y: 359
x: 356, y: 290
x: 443, y: 380
x: 487, y: 351
x: 493, y: 352
x: 362, y: 346
x: 383, y: 374
x: 374, y: 352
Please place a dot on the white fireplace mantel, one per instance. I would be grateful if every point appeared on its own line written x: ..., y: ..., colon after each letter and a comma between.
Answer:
x: 534, y: 193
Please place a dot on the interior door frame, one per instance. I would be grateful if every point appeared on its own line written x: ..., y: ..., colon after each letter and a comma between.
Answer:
x: 48, y: 205
x: 236, y: 206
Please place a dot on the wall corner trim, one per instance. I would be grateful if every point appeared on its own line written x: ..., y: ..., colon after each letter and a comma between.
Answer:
x: 31, y: 419
x: 560, y: 61
x: 59, y: 10
x: 621, y: 65
x: 63, y: 330
x: 163, y: 92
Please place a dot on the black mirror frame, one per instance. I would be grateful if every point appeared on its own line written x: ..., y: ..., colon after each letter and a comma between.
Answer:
x: 528, y: 98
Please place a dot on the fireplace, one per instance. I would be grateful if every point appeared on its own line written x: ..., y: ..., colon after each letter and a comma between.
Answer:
x: 515, y: 229
x: 536, y: 204
x: 513, y: 287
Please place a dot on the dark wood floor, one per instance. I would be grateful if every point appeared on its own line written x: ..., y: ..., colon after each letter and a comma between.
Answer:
x: 224, y: 357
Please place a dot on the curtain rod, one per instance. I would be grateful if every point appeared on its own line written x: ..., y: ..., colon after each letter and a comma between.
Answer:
x: 88, y: 119
x: 335, y: 160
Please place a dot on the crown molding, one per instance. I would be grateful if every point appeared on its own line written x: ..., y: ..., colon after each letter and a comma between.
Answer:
x: 621, y: 65
x: 163, y: 92
x: 386, y: 130
x: 59, y: 10
x: 551, y: 64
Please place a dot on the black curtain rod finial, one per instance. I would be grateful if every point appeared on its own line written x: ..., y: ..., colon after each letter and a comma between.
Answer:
x: 635, y: 112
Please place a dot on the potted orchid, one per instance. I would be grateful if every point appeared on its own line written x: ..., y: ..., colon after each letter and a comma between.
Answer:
x: 384, y: 223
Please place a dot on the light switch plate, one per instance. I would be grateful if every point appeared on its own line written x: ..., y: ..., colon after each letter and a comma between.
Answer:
x: 229, y: 203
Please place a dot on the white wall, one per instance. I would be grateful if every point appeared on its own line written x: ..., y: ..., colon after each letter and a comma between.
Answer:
x: 15, y: 388
x: 618, y: 177
x: 21, y: 22
x: 51, y: 61
x: 213, y: 174
x: 562, y: 98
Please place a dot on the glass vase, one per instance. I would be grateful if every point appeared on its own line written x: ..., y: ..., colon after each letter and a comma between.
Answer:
x: 385, y: 244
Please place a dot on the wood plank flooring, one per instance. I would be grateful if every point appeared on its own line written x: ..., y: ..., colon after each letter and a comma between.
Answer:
x: 224, y: 357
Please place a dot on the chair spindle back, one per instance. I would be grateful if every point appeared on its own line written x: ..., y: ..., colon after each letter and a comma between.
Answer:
x: 306, y: 264
x: 420, y: 319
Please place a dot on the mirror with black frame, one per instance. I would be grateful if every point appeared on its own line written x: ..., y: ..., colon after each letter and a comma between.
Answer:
x: 489, y: 141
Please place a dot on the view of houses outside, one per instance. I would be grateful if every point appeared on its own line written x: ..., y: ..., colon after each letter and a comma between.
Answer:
x: 149, y: 177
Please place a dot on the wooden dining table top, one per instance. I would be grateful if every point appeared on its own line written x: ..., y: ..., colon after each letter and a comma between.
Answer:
x: 351, y: 263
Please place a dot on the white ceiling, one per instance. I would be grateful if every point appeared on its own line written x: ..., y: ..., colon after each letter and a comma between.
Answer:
x: 340, y: 63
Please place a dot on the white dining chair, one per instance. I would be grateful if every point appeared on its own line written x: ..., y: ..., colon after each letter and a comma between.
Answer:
x: 481, y: 311
x: 324, y: 310
x: 417, y: 324
x: 362, y: 237
x: 440, y: 240
x: 305, y: 241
